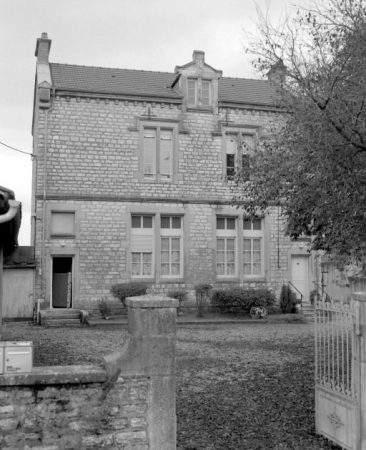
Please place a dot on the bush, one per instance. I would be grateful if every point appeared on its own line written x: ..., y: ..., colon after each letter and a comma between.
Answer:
x: 288, y: 300
x: 179, y: 294
x: 241, y: 300
x: 124, y: 290
x: 203, y: 294
x: 104, y: 307
x: 315, y: 296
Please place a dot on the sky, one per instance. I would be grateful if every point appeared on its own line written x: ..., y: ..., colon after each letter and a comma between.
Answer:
x: 154, y: 35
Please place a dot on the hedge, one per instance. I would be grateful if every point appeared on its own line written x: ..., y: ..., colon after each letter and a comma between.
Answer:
x: 241, y: 300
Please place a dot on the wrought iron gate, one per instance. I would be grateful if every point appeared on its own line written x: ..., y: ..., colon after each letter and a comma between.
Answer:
x: 337, y: 373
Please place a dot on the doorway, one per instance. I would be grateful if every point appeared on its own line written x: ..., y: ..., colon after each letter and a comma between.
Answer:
x: 62, y: 267
x: 300, y: 275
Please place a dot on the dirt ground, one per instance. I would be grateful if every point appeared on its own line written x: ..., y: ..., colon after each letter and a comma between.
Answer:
x: 239, y: 386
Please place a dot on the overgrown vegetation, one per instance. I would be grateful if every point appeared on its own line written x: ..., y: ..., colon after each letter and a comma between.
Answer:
x: 288, y: 300
x: 104, y: 307
x: 203, y: 295
x: 124, y: 290
x: 241, y: 300
x: 179, y: 294
x: 315, y: 166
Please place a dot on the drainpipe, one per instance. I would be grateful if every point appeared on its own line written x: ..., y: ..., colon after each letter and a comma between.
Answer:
x: 9, y: 215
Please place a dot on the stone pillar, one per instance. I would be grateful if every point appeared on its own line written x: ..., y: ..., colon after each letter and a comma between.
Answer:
x: 149, y: 350
x: 360, y: 301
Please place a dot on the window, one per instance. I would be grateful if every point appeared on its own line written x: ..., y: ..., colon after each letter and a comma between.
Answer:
x: 171, y: 246
x: 226, y: 246
x: 142, y: 246
x: 158, y: 153
x: 239, y: 146
x: 63, y: 223
x: 252, y: 247
x: 199, y: 92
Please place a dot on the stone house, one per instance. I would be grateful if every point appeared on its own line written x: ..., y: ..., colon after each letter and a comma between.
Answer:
x: 132, y: 182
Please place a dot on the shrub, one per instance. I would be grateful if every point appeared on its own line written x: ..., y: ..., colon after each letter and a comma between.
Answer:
x: 104, y: 307
x: 288, y: 300
x: 314, y: 296
x: 203, y: 294
x: 124, y: 290
x: 179, y: 294
x: 241, y: 300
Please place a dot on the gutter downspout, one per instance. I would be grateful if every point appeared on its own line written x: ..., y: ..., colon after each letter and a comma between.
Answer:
x: 9, y: 215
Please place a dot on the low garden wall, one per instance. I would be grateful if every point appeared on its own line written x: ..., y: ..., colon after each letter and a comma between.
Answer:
x: 128, y: 403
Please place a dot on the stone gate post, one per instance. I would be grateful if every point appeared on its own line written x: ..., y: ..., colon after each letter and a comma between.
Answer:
x: 360, y: 301
x: 149, y: 350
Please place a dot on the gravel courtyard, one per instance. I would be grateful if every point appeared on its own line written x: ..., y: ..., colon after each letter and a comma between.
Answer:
x: 242, y: 387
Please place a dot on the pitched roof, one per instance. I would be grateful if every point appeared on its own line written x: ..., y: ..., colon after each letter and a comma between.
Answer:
x: 113, y: 81
x: 153, y: 84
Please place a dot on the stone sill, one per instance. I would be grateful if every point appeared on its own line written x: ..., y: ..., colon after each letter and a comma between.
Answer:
x: 56, y: 375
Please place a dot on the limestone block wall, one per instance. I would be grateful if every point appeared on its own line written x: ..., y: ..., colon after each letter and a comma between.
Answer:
x: 126, y: 404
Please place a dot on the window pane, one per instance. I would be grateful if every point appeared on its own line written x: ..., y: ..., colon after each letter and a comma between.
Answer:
x: 256, y: 244
x: 191, y: 92
x: 175, y: 256
x: 220, y: 244
x: 175, y: 269
x: 149, y: 152
x: 165, y: 222
x: 220, y: 223
x: 136, y: 221
x: 146, y: 269
x: 220, y: 256
x: 247, y: 224
x: 165, y: 269
x: 165, y: 256
x: 247, y: 245
x: 257, y: 224
x: 206, y: 93
x: 165, y: 243
x: 176, y: 222
x: 230, y: 269
x: 146, y: 257
x: 230, y: 165
x: 231, y: 145
x: 147, y: 222
x: 256, y: 269
x: 136, y: 258
x: 166, y: 148
x: 230, y: 244
x: 175, y: 243
x: 230, y: 257
x: 247, y: 269
x: 220, y: 269
x: 256, y: 257
x: 230, y: 223
x: 248, y: 142
x: 136, y: 264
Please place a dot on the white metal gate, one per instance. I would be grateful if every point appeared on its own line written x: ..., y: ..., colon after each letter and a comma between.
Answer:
x: 337, y: 373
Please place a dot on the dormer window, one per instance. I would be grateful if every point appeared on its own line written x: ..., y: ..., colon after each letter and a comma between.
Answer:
x: 199, y: 92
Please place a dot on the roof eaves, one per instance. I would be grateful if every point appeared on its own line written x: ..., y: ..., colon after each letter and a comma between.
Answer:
x: 117, y: 95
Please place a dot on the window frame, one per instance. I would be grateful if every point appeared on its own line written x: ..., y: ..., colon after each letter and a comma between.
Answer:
x: 227, y: 234
x: 159, y: 128
x: 171, y: 233
x: 144, y: 231
x: 251, y: 235
x: 198, y: 92
x: 240, y: 150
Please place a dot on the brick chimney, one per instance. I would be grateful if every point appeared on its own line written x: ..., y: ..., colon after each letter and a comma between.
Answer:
x: 43, y: 48
x: 277, y: 73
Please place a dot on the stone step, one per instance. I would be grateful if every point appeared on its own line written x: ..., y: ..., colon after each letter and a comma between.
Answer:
x: 62, y: 323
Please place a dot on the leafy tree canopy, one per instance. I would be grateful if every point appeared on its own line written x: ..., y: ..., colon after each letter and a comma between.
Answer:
x: 314, y: 165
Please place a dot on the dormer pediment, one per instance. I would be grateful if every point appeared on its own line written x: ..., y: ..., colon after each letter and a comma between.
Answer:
x: 198, y: 83
x: 198, y: 67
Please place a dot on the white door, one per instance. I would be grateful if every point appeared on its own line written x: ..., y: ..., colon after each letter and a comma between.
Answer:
x: 300, y: 275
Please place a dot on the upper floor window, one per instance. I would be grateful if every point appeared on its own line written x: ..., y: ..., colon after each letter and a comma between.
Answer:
x: 238, y: 146
x: 199, y: 92
x: 63, y: 223
x: 158, y: 147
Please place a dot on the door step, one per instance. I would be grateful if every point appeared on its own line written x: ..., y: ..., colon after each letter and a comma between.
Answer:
x: 307, y: 310
x: 60, y: 317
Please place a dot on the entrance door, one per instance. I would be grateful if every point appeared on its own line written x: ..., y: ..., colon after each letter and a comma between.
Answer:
x: 300, y: 276
x: 62, y: 282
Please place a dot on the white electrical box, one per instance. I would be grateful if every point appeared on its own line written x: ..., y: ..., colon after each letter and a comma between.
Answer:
x: 17, y: 357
